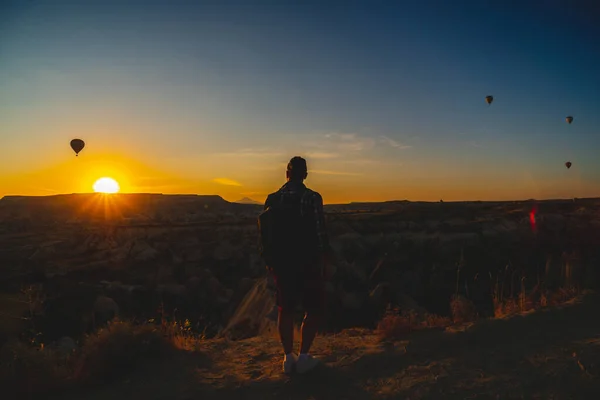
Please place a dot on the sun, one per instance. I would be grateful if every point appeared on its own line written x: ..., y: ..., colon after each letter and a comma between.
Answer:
x: 106, y: 185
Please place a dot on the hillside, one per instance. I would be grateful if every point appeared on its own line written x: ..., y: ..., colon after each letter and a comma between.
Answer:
x: 193, y: 261
x: 547, y: 354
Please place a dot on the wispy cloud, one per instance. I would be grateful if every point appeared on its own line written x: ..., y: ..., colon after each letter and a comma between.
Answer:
x: 342, y: 136
x: 353, y: 143
x: 326, y: 172
x: 475, y: 144
x: 393, y: 143
x: 360, y: 161
x: 250, y: 152
x: 226, y: 181
x: 322, y: 155
x: 349, y: 142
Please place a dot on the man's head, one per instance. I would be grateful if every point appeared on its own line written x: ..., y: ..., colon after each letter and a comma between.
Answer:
x: 296, y: 169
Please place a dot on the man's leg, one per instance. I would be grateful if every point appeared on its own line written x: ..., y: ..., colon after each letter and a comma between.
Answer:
x: 286, y: 299
x: 314, y: 302
x: 313, y: 299
x: 310, y: 326
x: 286, y: 296
x: 285, y: 325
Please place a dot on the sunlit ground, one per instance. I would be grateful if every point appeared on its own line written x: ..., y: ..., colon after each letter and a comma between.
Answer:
x: 106, y: 185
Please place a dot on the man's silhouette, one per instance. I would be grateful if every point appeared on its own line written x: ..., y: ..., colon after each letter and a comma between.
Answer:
x: 298, y: 268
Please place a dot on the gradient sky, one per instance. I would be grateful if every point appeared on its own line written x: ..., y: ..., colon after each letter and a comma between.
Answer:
x: 385, y: 100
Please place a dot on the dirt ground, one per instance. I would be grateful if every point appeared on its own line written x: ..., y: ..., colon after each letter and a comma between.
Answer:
x: 548, y: 354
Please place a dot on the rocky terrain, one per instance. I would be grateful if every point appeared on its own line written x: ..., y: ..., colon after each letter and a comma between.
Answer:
x: 70, y: 262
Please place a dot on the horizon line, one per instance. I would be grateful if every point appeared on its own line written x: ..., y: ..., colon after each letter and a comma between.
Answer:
x: 347, y: 203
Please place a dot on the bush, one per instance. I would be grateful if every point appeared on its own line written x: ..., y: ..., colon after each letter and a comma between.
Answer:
x: 30, y: 371
x: 114, y: 350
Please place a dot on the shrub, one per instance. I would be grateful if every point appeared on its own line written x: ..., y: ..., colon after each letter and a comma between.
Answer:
x: 114, y: 350
x: 30, y: 371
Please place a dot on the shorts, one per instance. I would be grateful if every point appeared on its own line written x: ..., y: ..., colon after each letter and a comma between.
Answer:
x: 295, y: 286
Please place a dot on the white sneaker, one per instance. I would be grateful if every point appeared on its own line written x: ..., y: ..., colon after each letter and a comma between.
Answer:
x: 306, y: 363
x: 289, y: 361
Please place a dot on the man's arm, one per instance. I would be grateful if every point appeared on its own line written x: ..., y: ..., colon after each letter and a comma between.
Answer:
x: 322, y: 235
x: 266, y: 205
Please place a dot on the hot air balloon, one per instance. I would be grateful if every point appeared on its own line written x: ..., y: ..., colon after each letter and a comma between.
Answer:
x: 569, y: 119
x: 489, y: 99
x: 77, y: 145
x: 568, y: 164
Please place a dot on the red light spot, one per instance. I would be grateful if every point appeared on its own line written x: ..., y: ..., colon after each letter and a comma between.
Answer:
x: 532, y: 217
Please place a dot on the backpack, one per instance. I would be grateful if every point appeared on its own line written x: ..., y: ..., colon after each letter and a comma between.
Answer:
x: 287, y: 233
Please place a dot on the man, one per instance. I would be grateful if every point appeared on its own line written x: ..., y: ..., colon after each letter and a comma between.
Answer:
x: 298, y: 270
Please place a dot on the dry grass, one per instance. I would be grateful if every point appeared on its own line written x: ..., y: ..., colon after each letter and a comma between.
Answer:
x: 111, y: 353
x: 540, y: 296
x: 462, y: 310
x: 535, y: 299
x: 26, y: 370
x: 396, y: 324
x: 181, y: 336
x: 116, y: 349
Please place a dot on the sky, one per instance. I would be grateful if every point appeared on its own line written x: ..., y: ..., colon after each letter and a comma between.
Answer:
x: 385, y: 100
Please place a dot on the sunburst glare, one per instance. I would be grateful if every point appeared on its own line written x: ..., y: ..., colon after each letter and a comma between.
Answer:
x: 106, y: 185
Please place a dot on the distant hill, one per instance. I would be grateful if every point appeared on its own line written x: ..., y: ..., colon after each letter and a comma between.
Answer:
x: 124, y: 205
x: 247, y: 200
x: 132, y: 199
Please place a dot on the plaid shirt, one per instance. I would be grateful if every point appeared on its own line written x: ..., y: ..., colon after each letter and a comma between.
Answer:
x: 312, y: 202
